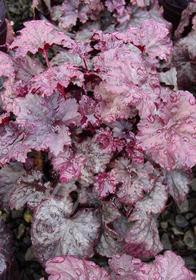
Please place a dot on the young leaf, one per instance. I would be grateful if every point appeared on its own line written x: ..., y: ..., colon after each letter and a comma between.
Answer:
x: 69, y: 268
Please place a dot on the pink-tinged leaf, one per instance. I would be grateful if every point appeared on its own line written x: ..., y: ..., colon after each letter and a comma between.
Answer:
x: 69, y: 268
x: 54, y: 233
x: 165, y: 267
x: 46, y: 118
x: 87, y: 110
x: 8, y: 177
x: 7, y: 65
x: 105, y: 183
x: 114, y: 64
x: 48, y: 81
x: 107, y: 41
x: 30, y: 190
x: 135, y: 179
x: 172, y: 127
x: 142, y: 240
x: 155, y: 201
x: 107, y: 142
x: 183, y: 58
x: 68, y: 164
x: 39, y: 35
x: 170, y: 266
x: 178, y: 181
x: 126, y: 267
x: 158, y: 46
x: 12, y: 146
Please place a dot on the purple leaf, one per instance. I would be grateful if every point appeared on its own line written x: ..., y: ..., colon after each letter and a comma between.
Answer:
x: 70, y: 268
x: 8, y: 177
x: 177, y: 181
x: 46, y: 118
x: 142, y: 240
x: 12, y: 146
x: 30, y: 189
x: 54, y: 233
x: 110, y: 243
x: 6, y: 255
x: 183, y: 58
x: 135, y: 178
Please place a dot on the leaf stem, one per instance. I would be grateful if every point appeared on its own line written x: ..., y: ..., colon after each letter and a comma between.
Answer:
x: 46, y: 58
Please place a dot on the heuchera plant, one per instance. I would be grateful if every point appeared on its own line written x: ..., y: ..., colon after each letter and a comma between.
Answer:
x: 115, y: 142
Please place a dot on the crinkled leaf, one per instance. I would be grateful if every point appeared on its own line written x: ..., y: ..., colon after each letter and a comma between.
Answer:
x: 107, y: 142
x: 159, y: 45
x: 47, y: 82
x: 166, y: 267
x: 12, y: 144
x: 96, y: 160
x: 30, y: 189
x: 177, y: 181
x: 174, y: 126
x: 142, y: 240
x: 70, y: 268
x: 54, y: 233
x: 8, y: 177
x: 39, y: 35
x: 126, y: 267
x: 105, y: 183
x: 171, y: 266
x: 87, y: 110
x: 69, y: 164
